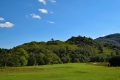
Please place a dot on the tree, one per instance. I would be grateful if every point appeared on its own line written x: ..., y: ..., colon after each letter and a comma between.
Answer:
x: 55, y: 59
x: 23, y: 61
x: 22, y: 55
x: 31, y: 60
x: 13, y: 61
x: 4, y: 54
x: 40, y: 58
x: 21, y: 52
x: 114, y: 61
x: 65, y: 59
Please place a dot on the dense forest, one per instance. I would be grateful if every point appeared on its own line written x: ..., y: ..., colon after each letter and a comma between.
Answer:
x: 75, y: 49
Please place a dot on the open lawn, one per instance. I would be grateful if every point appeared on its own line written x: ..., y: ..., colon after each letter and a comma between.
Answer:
x: 71, y: 71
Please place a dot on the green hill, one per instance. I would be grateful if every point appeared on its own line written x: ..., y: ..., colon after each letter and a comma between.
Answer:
x: 110, y: 39
x: 75, y: 49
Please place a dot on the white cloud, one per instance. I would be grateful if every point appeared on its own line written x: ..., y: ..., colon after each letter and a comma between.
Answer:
x: 35, y: 16
x: 51, y: 22
x: 53, y: 1
x: 6, y: 24
x: 42, y: 1
x: 2, y: 19
x: 103, y: 35
x: 43, y: 11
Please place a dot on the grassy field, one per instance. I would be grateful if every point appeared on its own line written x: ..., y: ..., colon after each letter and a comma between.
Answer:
x: 71, y: 71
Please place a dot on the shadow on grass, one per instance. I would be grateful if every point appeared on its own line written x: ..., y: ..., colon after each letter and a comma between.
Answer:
x: 80, y: 72
x: 18, y: 69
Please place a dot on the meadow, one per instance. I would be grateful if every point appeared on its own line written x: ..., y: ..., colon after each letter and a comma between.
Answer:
x: 70, y: 71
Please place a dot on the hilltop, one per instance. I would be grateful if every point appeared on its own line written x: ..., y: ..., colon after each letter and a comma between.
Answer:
x: 110, y: 39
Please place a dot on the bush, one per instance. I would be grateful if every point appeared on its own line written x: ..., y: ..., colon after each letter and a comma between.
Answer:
x: 114, y: 61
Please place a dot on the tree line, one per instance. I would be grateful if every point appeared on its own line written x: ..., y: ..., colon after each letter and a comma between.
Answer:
x: 75, y: 49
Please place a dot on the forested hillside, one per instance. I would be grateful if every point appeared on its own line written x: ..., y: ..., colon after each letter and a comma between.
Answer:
x: 110, y: 39
x: 75, y: 49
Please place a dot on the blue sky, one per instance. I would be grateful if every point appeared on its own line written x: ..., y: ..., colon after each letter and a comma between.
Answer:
x: 23, y: 21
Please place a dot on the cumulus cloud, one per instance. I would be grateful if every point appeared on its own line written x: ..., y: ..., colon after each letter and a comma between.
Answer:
x: 42, y: 1
x: 2, y: 19
x: 35, y: 16
x: 51, y: 22
x: 43, y: 11
x: 53, y: 1
x: 6, y: 24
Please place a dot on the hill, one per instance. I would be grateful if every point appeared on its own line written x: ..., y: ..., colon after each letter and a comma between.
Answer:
x: 75, y: 49
x: 110, y: 39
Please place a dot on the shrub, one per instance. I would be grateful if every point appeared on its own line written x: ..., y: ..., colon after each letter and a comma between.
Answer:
x: 114, y: 61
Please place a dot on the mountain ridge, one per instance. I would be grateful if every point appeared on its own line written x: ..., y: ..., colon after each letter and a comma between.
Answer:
x: 109, y: 39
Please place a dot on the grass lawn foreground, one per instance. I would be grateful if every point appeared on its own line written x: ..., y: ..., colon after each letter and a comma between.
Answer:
x: 70, y: 71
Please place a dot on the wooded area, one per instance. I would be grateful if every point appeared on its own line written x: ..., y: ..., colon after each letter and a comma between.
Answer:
x: 76, y: 49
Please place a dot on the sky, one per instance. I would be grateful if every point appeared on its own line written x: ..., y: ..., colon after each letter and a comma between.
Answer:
x: 23, y: 21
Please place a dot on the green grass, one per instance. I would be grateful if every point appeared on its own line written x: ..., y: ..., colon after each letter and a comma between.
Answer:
x: 71, y: 71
